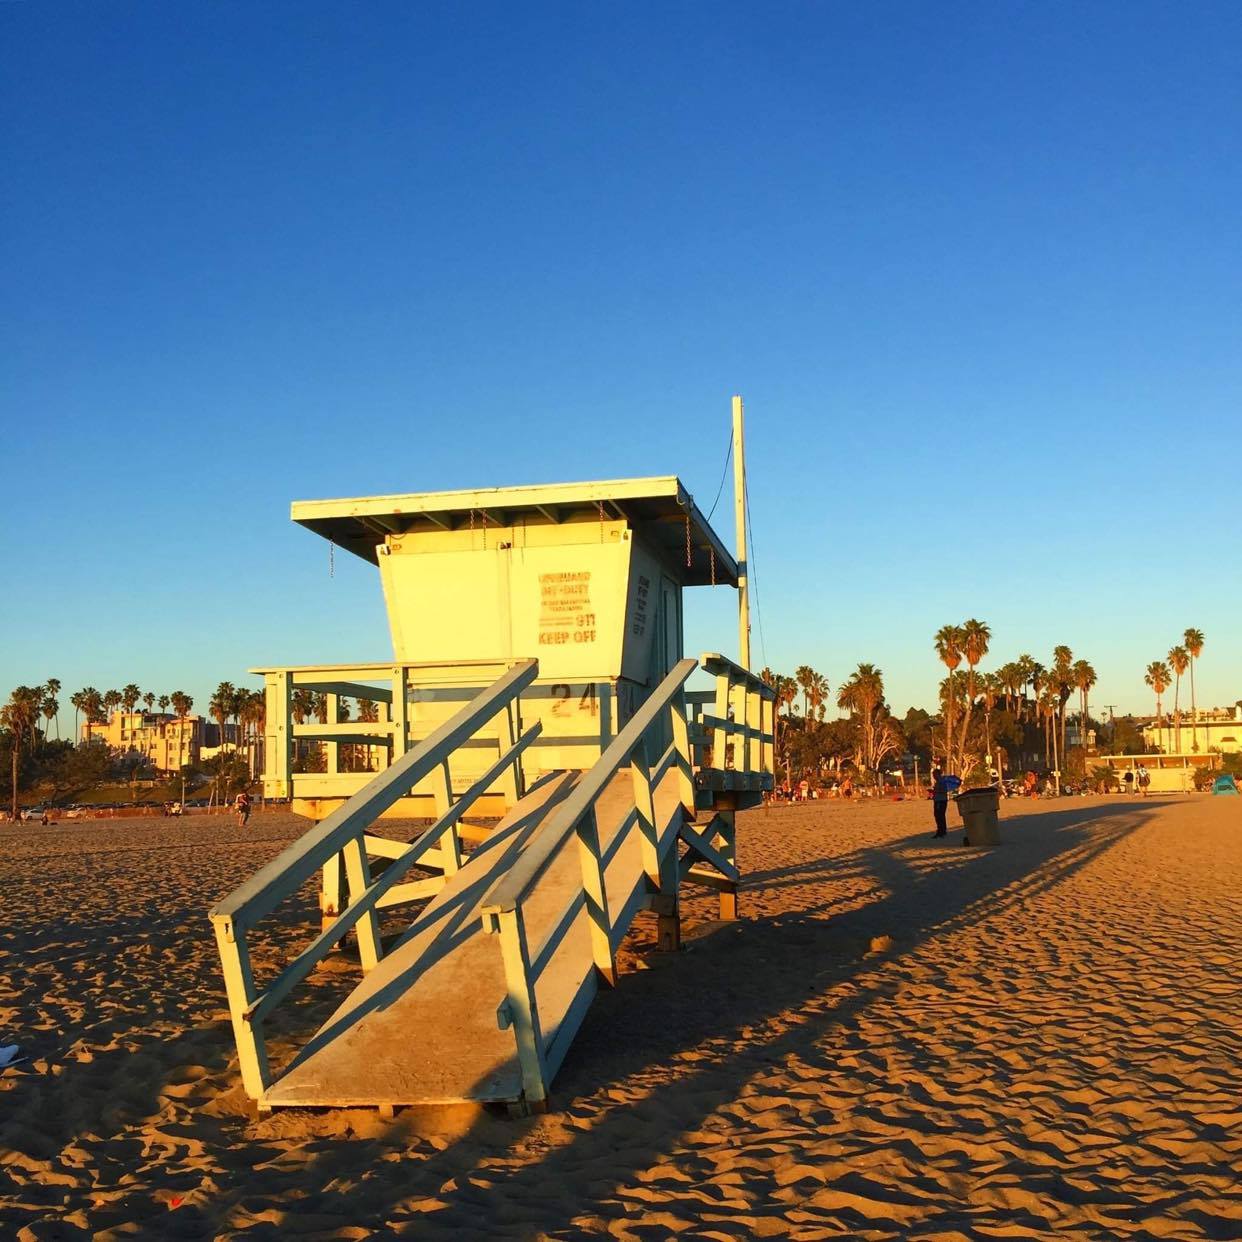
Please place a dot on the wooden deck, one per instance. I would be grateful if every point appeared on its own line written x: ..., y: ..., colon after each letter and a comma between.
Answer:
x: 422, y: 1027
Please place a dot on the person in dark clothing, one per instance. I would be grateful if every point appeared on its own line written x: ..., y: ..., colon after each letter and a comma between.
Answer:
x: 942, y: 786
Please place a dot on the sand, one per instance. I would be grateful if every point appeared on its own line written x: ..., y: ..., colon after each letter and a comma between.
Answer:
x: 902, y: 1039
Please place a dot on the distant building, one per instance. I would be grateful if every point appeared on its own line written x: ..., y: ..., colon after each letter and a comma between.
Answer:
x: 168, y: 742
x: 1218, y: 728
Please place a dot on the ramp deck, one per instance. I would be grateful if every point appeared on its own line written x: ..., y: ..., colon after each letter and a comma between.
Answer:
x: 422, y: 1026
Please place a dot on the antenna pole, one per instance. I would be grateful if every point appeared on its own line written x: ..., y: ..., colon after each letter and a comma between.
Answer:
x: 739, y: 511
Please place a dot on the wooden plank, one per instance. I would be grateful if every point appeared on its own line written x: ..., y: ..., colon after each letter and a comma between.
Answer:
x: 239, y: 988
x: 358, y: 875
x: 346, y: 731
x: 417, y: 890
x: 347, y: 689
x: 596, y: 892
x: 570, y: 1024
x: 552, y: 941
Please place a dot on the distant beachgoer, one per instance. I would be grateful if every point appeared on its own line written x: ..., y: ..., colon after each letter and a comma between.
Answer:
x: 847, y: 788
x: 242, y: 806
x: 1144, y: 779
x: 942, y: 786
x: 1129, y: 780
x: 1030, y: 784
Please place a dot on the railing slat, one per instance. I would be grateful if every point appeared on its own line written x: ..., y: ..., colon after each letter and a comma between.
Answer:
x: 294, y: 865
x: 535, y: 858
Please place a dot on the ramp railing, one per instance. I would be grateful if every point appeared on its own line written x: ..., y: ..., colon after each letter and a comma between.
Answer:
x: 609, y: 913
x: 344, y: 833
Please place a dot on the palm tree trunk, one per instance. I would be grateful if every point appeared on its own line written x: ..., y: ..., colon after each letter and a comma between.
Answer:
x: 1194, y: 710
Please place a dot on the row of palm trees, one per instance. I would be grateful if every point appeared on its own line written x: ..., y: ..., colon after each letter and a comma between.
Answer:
x: 96, y: 707
x: 1052, y: 687
x: 1161, y: 674
x: 861, y: 695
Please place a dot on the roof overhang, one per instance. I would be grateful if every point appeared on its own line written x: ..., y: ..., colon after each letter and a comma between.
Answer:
x: 658, y: 508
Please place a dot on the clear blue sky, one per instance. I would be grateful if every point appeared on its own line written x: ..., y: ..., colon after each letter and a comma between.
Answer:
x: 975, y: 268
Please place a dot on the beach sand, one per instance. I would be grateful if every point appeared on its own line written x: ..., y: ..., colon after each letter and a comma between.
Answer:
x: 901, y: 1038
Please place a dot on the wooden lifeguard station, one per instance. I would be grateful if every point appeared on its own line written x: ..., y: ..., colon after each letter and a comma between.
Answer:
x: 539, y: 676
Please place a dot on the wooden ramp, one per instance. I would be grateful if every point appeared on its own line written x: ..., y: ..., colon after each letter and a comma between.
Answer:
x: 425, y: 1025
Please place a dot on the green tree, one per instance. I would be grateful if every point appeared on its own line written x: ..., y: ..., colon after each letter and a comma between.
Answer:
x: 1179, y: 661
x: 130, y: 696
x: 1158, y: 678
x: 181, y: 703
x: 948, y: 643
x: 20, y: 716
x: 111, y: 701
x: 149, y: 699
x: 976, y: 635
x: 53, y: 689
x: 1084, y: 679
x: 1192, y: 640
x: 221, y: 708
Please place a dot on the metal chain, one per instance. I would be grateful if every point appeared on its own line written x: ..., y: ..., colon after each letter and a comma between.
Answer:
x: 331, y: 559
x: 712, y: 552
x: 688, y: 560
x: 601, y: 521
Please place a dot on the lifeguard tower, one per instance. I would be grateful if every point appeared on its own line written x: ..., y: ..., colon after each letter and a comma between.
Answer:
x: 538, y: 682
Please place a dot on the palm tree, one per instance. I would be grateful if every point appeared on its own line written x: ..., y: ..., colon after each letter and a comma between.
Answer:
x: 50, y: 704
x: 110, y: 702
x: 130, y: 696
x: 1158, y: 678
x: 221, y: 707
x: 75, y: 701
x: 20, y: 716
x: 1062, y: 664
x: 163, y: 701
x: 90, y: 701
x: 1084, y: 679
x: 149, y: 700
x: 861, y: 695
x: 1179, y: 661
x: 53, y: 689
x: 975, y: 638
x: 181, y: 703
x: 948, y: 643
x: 1028, y: 669
x: 804, y: 675
x: 1193, y: 642
x: 819, y: 694
x: 992, y: 685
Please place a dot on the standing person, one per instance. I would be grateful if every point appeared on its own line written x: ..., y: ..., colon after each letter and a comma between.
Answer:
x: 1129, y: 780
x: 1144, y: 779
x: 942, y: 786
x: 241, y: 805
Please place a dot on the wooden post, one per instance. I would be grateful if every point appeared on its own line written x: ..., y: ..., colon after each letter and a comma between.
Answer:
x: 507, y: 735
x: 644, y: 803
x: 685, y: 760
x: 728, y: 830
x: 596, y: 890
x: 400, y: 712
x: 358, y: 873
x: 331, y: 892
x: 332, y: 750
x: 739, y: 515
x: 523, y: 1011
x: 278, y: 736
x: 450, y: 842
x: 239, y: 988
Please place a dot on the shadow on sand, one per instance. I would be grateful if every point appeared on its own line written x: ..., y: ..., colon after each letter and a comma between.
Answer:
x: 741, y: 998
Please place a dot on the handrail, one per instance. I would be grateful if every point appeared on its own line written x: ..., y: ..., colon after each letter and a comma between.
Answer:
x: 295, y: 864
x: 714, y: 662
x: 506, y: 895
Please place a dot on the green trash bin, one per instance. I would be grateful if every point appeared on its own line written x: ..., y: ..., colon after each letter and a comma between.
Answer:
x: 980, y: 812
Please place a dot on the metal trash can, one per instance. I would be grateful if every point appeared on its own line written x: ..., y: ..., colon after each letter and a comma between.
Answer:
x: 980, y: 812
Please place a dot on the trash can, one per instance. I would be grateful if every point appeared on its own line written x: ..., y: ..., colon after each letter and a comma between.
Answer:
x: 980, y: 812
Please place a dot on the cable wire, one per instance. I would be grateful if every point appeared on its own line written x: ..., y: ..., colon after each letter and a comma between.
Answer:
x: 723, y: 475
